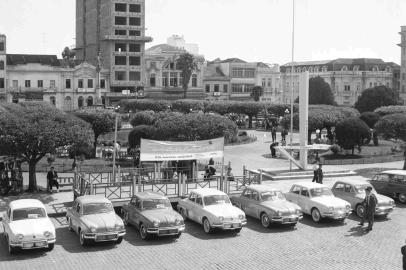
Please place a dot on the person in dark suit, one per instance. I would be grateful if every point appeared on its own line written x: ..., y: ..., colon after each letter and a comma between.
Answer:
x: 52, y: 177
x: 369, y: 202
x: 403, y: 250
x: 273, y: 132
x: 320, y: 175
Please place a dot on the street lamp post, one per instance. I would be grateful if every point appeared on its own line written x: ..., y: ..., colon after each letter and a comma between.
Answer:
x: 115, y: 143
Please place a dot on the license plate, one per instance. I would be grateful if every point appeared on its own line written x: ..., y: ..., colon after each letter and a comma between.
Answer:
x: 227, y: 226
x: 107, y: 237
x: 236, y: 225
x: 28, y: 245
x: 40, y: 244
x: 287, y: 220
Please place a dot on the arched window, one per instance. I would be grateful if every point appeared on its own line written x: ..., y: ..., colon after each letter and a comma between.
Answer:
x: 356, y: 68
x: 89, y: 101
x: 344, y: 68
x: 1, y: 65
x: 152, y: 80
x: 388, y: 69
x: 80, y: 102
x: 316, y: 69
x: 67, y: 104
x: 375, y: 68
x: 52, y: 100
x: 310, y: 69
x: 194, y: 80
x: 324, y: 69
x: 103, y: 99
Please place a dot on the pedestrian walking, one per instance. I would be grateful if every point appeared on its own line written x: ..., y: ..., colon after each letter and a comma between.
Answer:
x: 369, y: 203
x: 273, y: 132
x: 315, y: 174
x: 320, y: 175
x: 283, y: 135
x: 52, y: 177
x: 403, y: 250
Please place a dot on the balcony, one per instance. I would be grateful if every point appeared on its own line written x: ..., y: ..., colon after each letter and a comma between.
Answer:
x: 240, y: 95
x: 86, y: 90
x: 128, y: 38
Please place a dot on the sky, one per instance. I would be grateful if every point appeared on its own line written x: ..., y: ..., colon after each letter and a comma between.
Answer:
x: 256, y: 30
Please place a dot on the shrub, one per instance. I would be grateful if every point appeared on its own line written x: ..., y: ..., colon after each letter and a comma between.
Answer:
x: 143, y: 118
x: 382, y: 111
x: 351, y: 133
x: 242, y: 133
x: 187, y: 106
x: 370, y: 118
x: 335, y: 148
x: 145, y: 105
x: 142, y: 131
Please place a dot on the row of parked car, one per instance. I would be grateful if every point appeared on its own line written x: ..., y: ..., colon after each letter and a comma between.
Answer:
x: 27, y: 226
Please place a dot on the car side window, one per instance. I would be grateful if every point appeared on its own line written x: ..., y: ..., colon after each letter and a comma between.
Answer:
x: 339, y: 187
x: 305, y: 192
x: 199, y: 200
x: 295, y: 189
x: 78, y: 208
x: 192, y: 197
x: 255, y: 195
x: 247, y: 193
x: 399, y: 178
x: 9, y: 213
x: 347, y: 188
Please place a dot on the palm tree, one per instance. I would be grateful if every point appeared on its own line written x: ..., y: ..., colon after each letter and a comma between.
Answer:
x: 186, y: 63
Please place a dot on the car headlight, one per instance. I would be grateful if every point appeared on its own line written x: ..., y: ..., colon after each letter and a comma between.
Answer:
x: 278, y: 213
x: 93, y: 229
x: 241, y: 216
x: 119, y: 227
x: 178, y: 222
x: 298, y: 211
x: 392, y: 202
x: 20, y: 237
x: 221, y: 218
x: 347, y: 207
x: 155, y: 223
x: 47, y: 234
x: 331, y: 208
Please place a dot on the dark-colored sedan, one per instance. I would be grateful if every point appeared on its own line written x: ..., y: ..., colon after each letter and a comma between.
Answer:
x: 391, y: 183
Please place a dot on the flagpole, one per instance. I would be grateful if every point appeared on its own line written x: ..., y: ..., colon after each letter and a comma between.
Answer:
x: 292, y: 87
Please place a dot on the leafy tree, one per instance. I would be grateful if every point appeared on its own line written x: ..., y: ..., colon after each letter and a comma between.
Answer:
x: 186, y: 63
x: 187, y: 105
x: 370, y: 118
x: 145, y: 105
x: 141, y: 131
x: 352, y: 132
x: 143, y: 118
x: 102, y: 121
x: 393, y: 126
x: 390, y: 110
x: 220, y: 107
x: 250, y: 109
x: 376, y: 97
x: 257, y: 92
x: 68, y: 53
x: 30, y: 130
x: 320, y: 92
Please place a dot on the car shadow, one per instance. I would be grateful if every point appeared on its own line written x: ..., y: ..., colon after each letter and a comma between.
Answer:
x: 307, y: 220
x: 356, y: 231
x: 255, y: 225
x: 196, y: 230
x: 133, y: 237
x: 354, y: 217
x: 400, y: 205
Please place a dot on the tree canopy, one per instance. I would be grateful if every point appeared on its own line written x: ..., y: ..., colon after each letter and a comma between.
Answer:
x: 320, y: 92
x: 385, y: 110
x: 257, y: 92
x: 68, y: 53
x: 186, y: 63
x: 376, y: 97
x: 352, y: 132
x: 370, y: 118
x: 30, y: 130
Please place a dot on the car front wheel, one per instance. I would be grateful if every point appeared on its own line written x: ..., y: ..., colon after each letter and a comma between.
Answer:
x: 126, y: 219
x: 206, y: 226
x: 143, y: 232
x: 82, y: 239
x: 402, y: 198
x: 119, y: 240
x: 360, y: 210
x: 50, y: 247
x: 316, y: 215
x: 265, y: 220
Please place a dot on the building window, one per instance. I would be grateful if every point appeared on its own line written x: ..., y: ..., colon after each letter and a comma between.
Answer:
x: 2, y: 83
x: 180, y: 79
x: 102, y: 83
x: 135, y: 8
x: 324, y: 69
x: 120, y: 60
x: 89, y: 83
x: 225, y: 88
x: 134, y: 47
x: 120, y: 20
x: 269, y: 82
x: 80, y: 102
x: 120, y: 7
x: 52, y: 100
x: 388, y: 69
x: 403, y: 76
x: 52, y: 84
x: 67, y: 83
x: 27, y: 83
x: 207, y: 88
x: 152, y: 80
x: 40, y: 83
x: 120, y: 32
x: 135, y: 75
x: 15, y: 83
x: 135, y: 60
x: 194, y: 80
x: 347, y: 87
x: 370, y: 85
x: 173, y: 80
x: 136, y: 33
x: 216, y: 88
x: 263, y: 82
x: 67, y: 104
x: 1, y: 46
x: 237, y: 88
x: 80, y: 83
x: 89, y: 101
x: 135, y: 21
x: 1, y: 65
x: 165, y: 79
x: 120, y: 47
x: 119, y: 75
x: 355, y: 68
x: 403, y: 88
x: 344, y: 68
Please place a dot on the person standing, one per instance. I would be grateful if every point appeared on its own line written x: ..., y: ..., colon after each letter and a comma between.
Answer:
x: 273, y: 132
x: 369, y: 202
x: 52, y: 177
x: 320, y: 175
x: 283, y: 134
x: 273, y: 150
x: 315, y: 174
x: 403, y: 250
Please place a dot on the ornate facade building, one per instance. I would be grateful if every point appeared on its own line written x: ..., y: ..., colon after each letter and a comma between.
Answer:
x: 346, y: 77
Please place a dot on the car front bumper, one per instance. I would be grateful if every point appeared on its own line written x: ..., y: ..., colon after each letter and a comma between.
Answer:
x: 230, y: 225
x: 163, y: 231
x: 292, y: 219
x: 34, y: 243
x: 105, y: 236
x: 383, y: 210
x: 336, y: 214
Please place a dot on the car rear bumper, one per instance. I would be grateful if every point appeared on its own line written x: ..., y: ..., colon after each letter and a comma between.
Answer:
x: 230, y: 225
x: 34, y: 244
x: 292, y: 219
x: 167, y: 230
x: 103, y: 237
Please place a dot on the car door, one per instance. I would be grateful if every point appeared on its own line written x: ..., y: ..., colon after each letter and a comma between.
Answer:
x: 338, y: 190
x: 244, y: 199
x: 349, y: 195
x: 198, y: 209
x: 130, y: 210
x: 190, y: 206
x: 136, y: 211
x: 304, y: 199
x: 75, y: 215
x: 380, y: 182
x: 250, y: 208
x: 293, y: 194
x: 397, y: 184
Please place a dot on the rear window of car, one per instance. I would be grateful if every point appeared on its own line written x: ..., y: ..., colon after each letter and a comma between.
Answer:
x: 29, y: 213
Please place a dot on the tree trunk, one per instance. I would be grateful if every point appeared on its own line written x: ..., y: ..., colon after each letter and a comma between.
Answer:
x: 94, y: 145
x: 249, y: 121
x: 184, y: 92
x: 404, y: 165
x: 32, y: 184
x: 309, y: 137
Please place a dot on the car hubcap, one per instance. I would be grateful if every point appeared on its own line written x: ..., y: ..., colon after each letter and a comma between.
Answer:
x: 316, y: 215
x: 265, y: 220
x: 206, y: 225
x: 143, y: 232
x: 360, y: 211
x: 126, y: 219
x: 402, y: 198
x: 82, y: 238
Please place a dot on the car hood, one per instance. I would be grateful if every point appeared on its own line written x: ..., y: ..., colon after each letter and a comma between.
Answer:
x: 104, y: 220
x: 330, y: 201
x: 224, y: 210
x: 32, y: 226
x: 162, y: 215
x: 281, y: 205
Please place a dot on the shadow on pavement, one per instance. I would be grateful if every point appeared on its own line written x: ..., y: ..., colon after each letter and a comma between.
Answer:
x: 307, y: 220
x: 354, y: 217
x: 133, y: 237
x: 196, y: 230
x: 255, y: 225
x: 356, y: 231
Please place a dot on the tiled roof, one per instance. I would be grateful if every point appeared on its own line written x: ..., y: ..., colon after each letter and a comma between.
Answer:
x: 233, y: 60
x: 22, y: 59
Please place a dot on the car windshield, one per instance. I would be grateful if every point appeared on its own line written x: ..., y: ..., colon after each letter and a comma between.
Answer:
x: 317, y: 192
x: 361, y: 188
x: 29, y: 213
x: 97, y: 208
x: 216, y: 199
x: 156, y: 204
x: 272, y: 196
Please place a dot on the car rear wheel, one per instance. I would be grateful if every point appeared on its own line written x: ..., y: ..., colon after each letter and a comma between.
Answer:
x: 360, y: 210
x: 265, y: 220
x: 206, y: 226
x: 70, y: 226
x: 126, y: 219
x: 316, y: 215
x: 402, y: 198
x: 143, y: 232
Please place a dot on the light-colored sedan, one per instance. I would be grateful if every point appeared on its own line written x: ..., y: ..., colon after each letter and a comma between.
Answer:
x: 318, y: 201
x: 27, y: 226
x: 213, y: 209
x: 267, y: 204
x: 353, y: 191
x: 94, y: 219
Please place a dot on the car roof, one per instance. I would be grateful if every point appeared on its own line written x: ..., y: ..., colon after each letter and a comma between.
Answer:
x: 92, y: 199
x: 149, y: 195
x: 262, y: 188
x: 24, y: 203
x: 308, y: 184
x: 207, y: 191
x: 352, y: 182
x: 400, y: 172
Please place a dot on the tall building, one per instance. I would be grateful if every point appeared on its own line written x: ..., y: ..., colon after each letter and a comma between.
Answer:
x: 111, y: 34
x: 347, y: 77
x: 402, y: 45
x: 3, y: 67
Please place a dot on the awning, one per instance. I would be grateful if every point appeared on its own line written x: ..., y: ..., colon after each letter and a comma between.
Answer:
x: 167, y: 150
